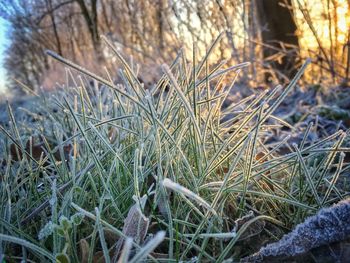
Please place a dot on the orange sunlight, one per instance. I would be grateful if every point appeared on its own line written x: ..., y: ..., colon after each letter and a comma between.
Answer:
x: 319, y: 12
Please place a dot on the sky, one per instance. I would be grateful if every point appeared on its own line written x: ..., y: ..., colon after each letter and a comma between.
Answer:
x: 3, y: 43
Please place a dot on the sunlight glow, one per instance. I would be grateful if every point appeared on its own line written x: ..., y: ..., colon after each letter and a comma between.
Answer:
x: 319, y: 13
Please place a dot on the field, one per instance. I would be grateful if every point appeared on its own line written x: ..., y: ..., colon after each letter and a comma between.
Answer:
x: 186, y: 170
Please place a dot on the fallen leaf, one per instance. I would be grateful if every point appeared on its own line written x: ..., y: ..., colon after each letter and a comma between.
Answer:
x: 84, y: 250
x: 135, y: 225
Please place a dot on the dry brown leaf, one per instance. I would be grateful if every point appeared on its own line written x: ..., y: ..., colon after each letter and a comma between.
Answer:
x: 110, y: 236
x: 112, y: 134
x: 135, y: 226
x: 259, y: 156
x: 37, y: 148
x: 98, y: 257
x: 253, y: 230
x: 84, y: 250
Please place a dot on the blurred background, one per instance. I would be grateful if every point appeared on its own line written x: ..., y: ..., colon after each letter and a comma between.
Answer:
x: 275, y: 35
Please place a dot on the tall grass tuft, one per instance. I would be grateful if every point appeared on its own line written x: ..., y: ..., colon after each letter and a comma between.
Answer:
x: 193, y: 171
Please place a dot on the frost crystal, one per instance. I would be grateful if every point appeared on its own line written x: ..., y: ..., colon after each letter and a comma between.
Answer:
x: 46, y: 230
x: 327, y: 226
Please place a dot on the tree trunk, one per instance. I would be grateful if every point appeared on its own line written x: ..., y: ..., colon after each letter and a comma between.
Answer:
x: 54, y: 26
x: 91, y: 20
x: 278, y: 35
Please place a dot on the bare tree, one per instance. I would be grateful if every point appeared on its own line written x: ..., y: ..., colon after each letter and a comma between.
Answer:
x: 152, y: 31
x: 91, y: 18
x: 278, y: 33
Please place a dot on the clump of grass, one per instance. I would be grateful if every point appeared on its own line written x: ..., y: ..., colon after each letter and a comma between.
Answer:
x: 170, y: 148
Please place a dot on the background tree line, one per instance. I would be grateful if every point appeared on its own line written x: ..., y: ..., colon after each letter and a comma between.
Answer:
x: 150, y: 32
